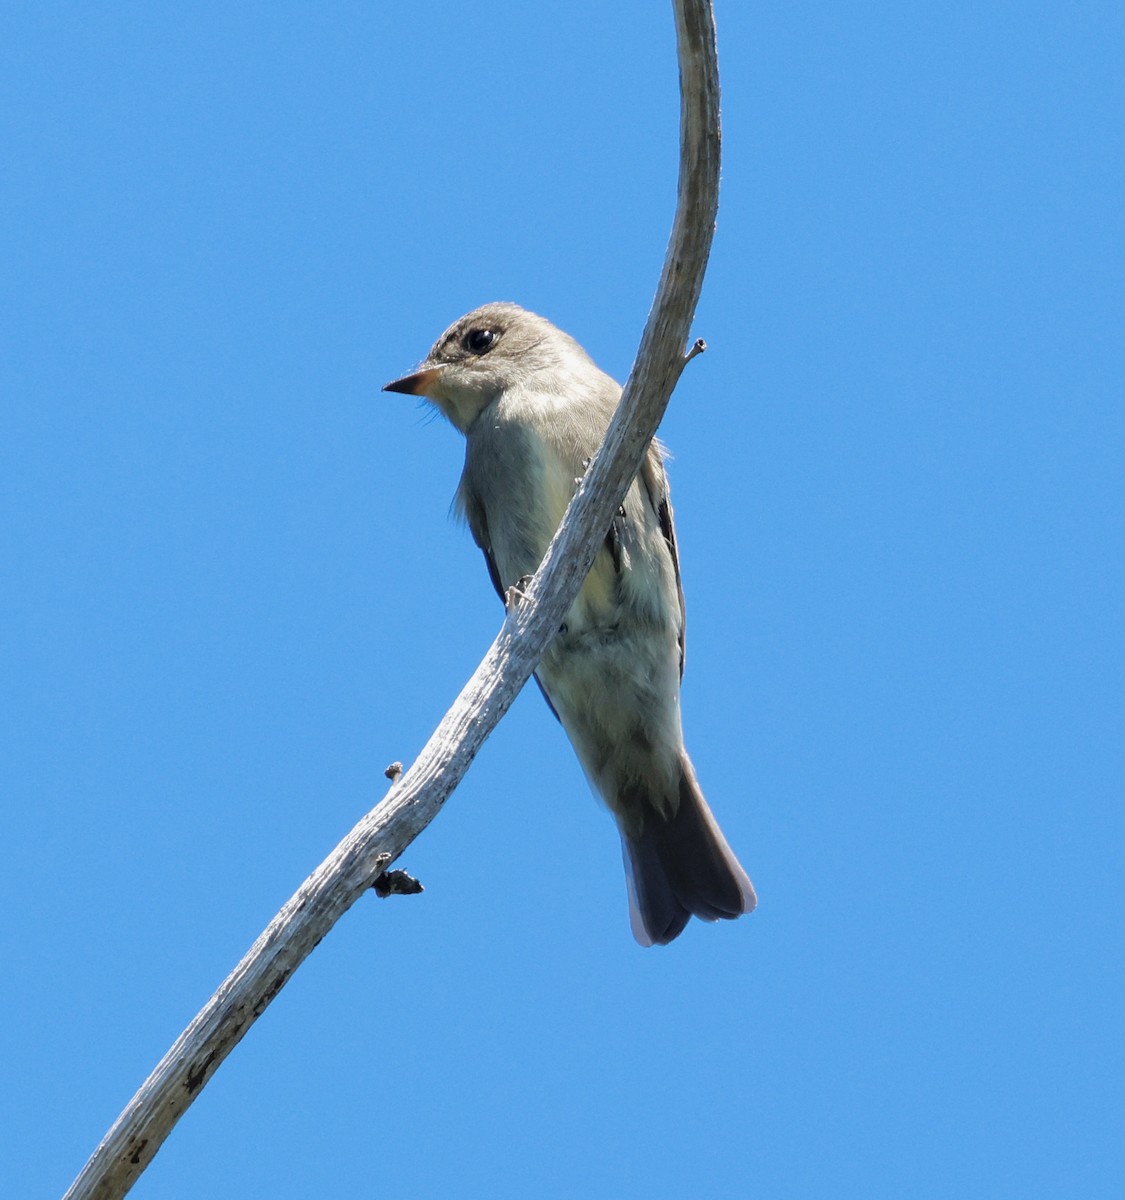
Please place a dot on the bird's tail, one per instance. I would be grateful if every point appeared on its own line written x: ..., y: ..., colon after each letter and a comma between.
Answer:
x: 680, y: 866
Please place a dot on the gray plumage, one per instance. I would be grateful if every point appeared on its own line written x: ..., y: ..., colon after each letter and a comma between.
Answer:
x: 534, y: 408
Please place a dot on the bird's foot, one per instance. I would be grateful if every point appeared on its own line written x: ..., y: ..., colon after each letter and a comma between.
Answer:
x: 518, y: 591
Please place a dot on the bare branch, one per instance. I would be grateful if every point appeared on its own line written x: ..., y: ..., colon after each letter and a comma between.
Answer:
x: 416, y: 797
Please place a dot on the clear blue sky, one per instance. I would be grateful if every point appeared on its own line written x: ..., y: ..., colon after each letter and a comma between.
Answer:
x: 233, y: 594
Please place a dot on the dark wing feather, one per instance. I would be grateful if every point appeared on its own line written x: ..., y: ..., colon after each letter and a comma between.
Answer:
x: 471, y: 506
x: 493, y: 573
x: 478, y: 527
x: 656, y: 485
x: 613, y: 540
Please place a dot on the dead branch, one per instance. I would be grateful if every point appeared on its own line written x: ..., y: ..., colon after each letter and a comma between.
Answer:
x: 416, y: 797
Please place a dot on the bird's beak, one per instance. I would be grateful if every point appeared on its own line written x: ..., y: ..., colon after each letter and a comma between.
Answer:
x: 421, y: 383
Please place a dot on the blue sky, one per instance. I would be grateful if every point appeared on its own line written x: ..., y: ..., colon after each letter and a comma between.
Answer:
x: 234, y: 594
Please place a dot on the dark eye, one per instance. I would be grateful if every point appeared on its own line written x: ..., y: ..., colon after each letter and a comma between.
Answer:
x: 479, y: 340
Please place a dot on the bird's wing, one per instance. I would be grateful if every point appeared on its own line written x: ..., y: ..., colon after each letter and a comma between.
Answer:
x: 471, y: 506
x: 656, y: 485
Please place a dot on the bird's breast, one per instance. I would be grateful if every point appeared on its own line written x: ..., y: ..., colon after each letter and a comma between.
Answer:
x: 524, y: 464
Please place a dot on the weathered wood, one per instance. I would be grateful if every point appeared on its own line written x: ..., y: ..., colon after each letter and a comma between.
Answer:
x: 416, y: 797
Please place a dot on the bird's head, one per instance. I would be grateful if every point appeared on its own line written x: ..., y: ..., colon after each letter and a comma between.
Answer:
x: 495, y: 347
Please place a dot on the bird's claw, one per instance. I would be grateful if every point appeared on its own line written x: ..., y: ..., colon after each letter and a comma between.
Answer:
x: 518, y: 591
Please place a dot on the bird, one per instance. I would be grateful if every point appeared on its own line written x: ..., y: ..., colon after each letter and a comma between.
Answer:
x: 533, y: 408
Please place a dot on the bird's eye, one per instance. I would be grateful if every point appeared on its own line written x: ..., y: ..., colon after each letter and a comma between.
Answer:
x: 479, y: 340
